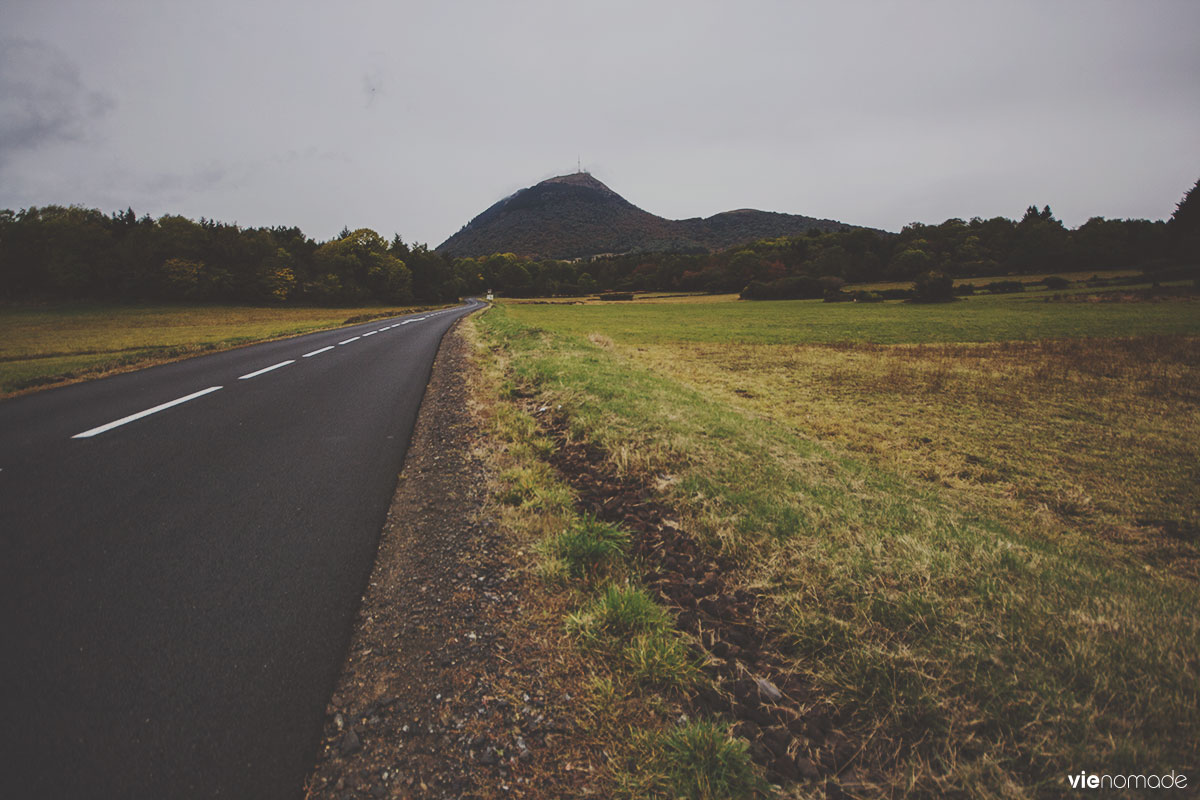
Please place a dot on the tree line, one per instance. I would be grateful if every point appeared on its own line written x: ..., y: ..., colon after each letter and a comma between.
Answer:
x: 75, y: 252
x: 57, y: 251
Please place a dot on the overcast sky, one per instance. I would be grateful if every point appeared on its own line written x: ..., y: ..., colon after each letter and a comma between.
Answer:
x: 411, y: 118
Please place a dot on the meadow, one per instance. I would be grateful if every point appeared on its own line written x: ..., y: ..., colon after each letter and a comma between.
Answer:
x: 48, y: 344
x: 976, y: 523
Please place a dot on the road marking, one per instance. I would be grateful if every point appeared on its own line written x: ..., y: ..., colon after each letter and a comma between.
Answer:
x: 348, y: 341
x: 267, y: 369
x: 317, y: 352
x: 407, y: 321
x: 146, y: 413
x: 372, y: 333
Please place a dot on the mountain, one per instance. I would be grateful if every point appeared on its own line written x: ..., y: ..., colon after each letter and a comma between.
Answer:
x: 576, y: 216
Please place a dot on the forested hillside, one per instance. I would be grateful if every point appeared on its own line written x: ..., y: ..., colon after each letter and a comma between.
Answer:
x: 577, y: 216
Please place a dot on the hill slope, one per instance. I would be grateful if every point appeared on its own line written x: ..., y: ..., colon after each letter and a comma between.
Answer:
x: 575, y: 216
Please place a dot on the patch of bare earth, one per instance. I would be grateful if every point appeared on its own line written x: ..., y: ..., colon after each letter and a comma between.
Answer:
x: 449, y: 688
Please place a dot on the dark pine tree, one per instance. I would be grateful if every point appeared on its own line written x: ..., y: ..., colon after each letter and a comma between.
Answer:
x: 1183, y: 229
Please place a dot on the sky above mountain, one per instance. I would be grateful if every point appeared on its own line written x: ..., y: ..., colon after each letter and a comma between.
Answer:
x: 413, y: 117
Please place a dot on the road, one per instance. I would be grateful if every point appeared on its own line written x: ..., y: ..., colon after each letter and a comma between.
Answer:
x: 183, y: 551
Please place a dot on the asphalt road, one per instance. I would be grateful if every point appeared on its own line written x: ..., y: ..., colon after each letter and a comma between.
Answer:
x: 179, y: 587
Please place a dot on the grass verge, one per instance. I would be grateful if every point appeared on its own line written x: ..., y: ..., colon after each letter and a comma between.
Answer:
x: 634, y: 669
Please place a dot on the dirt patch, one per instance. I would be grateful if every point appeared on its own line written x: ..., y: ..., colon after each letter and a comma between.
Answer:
x: 446, y: 690
x: 793, y: 733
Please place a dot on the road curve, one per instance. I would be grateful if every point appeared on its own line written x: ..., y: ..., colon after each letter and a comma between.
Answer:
x: 182, y: 550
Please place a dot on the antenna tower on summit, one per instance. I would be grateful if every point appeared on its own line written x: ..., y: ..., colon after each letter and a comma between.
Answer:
x: 578, y: 164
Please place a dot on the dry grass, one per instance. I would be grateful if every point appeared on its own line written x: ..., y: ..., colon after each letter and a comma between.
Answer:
x: 44, y: 345
x: 1102, y: 436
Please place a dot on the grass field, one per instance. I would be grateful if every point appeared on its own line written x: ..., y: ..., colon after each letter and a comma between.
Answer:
x: 976, y: 522
x: 986, y: 318
x: 42, y: 345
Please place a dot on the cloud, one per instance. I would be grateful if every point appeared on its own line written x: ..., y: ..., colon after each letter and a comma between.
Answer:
x: 43, y: 98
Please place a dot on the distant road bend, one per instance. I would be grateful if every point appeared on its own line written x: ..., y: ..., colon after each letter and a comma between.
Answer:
x: 183, y: 551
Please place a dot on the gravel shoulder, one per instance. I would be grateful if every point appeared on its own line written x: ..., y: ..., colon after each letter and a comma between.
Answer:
x: 447, y: 689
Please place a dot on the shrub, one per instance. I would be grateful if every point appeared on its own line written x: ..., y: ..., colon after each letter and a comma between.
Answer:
x: 793, y: 287
x: 616, y: 296
x: 1055, y: 282
x: 933, y: 287
x: 1004, y: 287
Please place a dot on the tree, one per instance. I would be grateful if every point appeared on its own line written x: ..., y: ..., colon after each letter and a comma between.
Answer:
x: 909, y: 263
x: 275, y: 280
x: 363, y: 268
x: 1183, y: 229
x: 180, y: 279
x: 1040, y: 243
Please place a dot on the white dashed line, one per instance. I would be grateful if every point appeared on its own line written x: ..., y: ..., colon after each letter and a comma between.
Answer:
x: 267, y: 369
x: 348, y: 341
x: 372, y: 333
x: 318, y: 352
x: 146, y: 413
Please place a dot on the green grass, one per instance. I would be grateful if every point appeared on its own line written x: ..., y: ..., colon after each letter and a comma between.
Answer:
x: 635, y: 633
x: 41, y: 345
x: 618, y: 612
x: 589, y: 548
x: 1000, y: 628
x: 697, y: 760
x: 635, y: 666
x: 986, y: 318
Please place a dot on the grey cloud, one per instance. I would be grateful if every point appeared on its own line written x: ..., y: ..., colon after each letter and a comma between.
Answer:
x: 43, y: 98
x: 179, y: 184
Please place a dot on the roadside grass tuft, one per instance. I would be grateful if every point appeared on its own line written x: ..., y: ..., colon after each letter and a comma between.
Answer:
x: 697, y: 760
x: 618, y: 612
x: 590, y: 548
x: 627, y: 625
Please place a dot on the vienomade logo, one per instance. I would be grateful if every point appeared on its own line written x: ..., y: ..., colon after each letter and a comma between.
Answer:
x: 1083, y: 780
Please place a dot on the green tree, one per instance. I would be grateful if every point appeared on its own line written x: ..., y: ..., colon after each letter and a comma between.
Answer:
x: 275, y: 280
x: 180, y: 279
x: 909, y: 263
x: 364, y: 269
